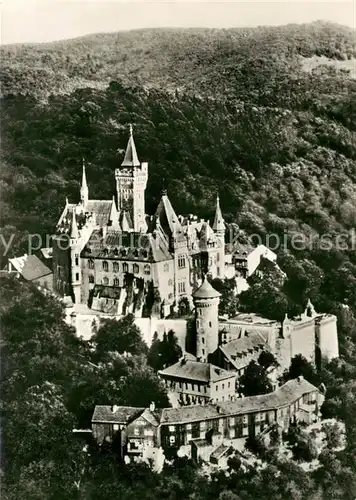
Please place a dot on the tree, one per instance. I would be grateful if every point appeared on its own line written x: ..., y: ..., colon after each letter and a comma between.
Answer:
x: 300, y: 366
x: 266, y: 359
x: 332, y: 433
x: 254, y: 380
x: 120, y: 336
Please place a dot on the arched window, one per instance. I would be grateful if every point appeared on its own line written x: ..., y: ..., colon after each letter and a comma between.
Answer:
x: 147, y: 269
x: 105, y: 280
x: 115, y: 267
x: 105, y: 265
x: 91, y: 264
x: 116, y: 282
x: 91, y: 278
x: 125, y: 267
x: 116, y: 252
x: 136, y: 268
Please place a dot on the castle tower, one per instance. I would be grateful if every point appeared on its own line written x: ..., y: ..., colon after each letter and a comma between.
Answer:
x: 131, y: 181
x: 219, y: 230
x: 206, y: 302
x: 84, y: 191
x: 75, y: 274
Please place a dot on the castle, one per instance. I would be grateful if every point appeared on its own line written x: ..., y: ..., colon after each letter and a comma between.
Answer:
x: 111, y: 256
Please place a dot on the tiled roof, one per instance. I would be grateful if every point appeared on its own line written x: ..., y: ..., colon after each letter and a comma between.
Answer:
x: 220, y: 451
x: 196, y: 370
x: 283, y: 396
x: 30, y: 267
x: 101, y: 208
x: 122, y: 414
x: 206, y: 291
x: 249, y: 346
x: 250, y: 318
x: 167, y: 216
x: 126, y: 246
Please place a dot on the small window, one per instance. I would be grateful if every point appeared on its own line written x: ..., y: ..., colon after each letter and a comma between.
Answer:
x: 203, y: 352
x: 210, y: 324
x: 116, y: 282
x: 105, y: 265
x: 77, y: 276
x: 181, y: 261
x: 228, y: 385
x: 136, y: 268
x: 223, y: 386
x: 203, y: 340
x: 125, y: 267
x: 171, y: 428
x: 91, y: 264
x: 115, y: 267
x: 105, y: 281
x: 216, y: 388
x: 147, y: 269
x: 166, y: 267
x: 170, y: 282
x: 76, y: 260
x: 91, y: 278
x: 116, y: 252
x: 136, y: 432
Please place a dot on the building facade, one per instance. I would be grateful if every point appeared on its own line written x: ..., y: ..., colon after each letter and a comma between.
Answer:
x: 113, y: 257
x: 172, y: 428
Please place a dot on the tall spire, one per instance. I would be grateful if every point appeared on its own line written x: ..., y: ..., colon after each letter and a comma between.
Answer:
x: 131, y: 158
x: 74, y: 233
x: 84, y: 191
x: 114, y: 216
x: 219, y: 223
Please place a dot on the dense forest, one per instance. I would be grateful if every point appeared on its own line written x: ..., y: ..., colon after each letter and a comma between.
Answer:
x: 228, y: 111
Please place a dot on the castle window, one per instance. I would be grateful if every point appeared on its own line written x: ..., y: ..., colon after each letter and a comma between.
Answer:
x: 181, y: 287
x: 91, y: 264
x: 181, y: 261
x: 125, y: 267
x: 136, y: 268
x: 223, y: 386
x: 105, y: 265
x: 105, y: 281
x: 115, y: 267
x: 77, y: 276
x: 77, y: 260
x: 147, y: 269
x: 123, y: 252
x: 217, y: 388
x: 203, y: 340
x: 91, y: 278
x: 203, y: 352
x: 210, y: 324
x: 116, y: 282
x: 135, y: 253
x: 218, y: 257
x: 116, y: 252
x: 106, y: 251
x: 170, y: 282
x: 166, y: 267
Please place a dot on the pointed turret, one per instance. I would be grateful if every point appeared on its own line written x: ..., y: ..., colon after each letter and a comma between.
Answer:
x: 84, y: 191
x: 114, y: 216
x: 74, y: 233
x: 131, y: 158
x: 219, y: 223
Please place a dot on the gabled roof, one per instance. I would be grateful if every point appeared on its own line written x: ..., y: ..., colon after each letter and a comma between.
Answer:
x: 131, y: 158
x: 30, y: 267
x: 206, y: 291
x: 121, y: 415
x: 167, y: 216
x: 196, y: 370
x: 101, y: 208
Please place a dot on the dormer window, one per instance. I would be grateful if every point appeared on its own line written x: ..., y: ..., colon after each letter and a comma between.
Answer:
x: 105, y: 265
x: 124, y: 252
x: 106, y: 251
x: 144, y: 253
x: 116, y: 252
x: 135, y: 253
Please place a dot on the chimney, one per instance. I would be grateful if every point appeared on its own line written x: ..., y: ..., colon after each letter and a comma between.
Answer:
x: 300, y: 378
x: 152, y: 406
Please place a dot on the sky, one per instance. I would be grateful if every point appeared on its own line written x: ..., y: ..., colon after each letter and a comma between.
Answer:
x: 49, y: 20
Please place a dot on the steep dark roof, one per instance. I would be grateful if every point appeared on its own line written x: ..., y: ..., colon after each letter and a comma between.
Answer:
x: 167, y: 216
x: 131, y: 158
x: 126, y: 246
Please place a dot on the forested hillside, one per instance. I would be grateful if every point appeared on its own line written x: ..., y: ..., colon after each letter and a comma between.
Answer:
x: 228, y: 111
